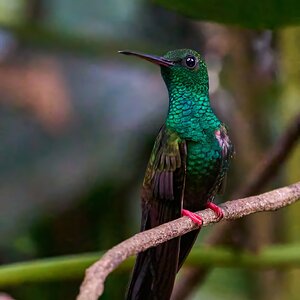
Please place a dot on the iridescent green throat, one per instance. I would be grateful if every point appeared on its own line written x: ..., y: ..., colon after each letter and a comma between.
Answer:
x: 190, y: 113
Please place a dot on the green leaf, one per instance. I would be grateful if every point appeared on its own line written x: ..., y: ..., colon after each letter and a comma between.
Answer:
x: 259, y: 14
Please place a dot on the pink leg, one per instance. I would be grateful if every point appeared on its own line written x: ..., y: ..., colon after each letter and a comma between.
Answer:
x: 195, y: 218
x: 217, y: 210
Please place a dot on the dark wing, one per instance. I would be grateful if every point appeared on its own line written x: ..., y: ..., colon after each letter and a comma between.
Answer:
x: 165, y: 175
x: 162, y: 197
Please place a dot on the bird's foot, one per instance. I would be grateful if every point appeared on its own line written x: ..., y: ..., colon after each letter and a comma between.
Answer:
x: 194, y: 217
x: 217, y: 210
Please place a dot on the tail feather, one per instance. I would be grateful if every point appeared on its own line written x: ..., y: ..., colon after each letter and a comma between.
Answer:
x: 155, y: 269
x: 154, y: 273
x: 186, y: 244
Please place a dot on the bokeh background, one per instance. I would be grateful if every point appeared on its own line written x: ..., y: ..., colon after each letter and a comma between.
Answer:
x: 78, y: 121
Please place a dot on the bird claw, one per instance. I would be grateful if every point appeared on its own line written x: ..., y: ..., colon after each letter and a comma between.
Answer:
x: 217, y: 210
x: 194, y: 217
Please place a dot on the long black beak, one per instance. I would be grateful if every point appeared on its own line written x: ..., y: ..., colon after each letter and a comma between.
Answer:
x: 152, y: 58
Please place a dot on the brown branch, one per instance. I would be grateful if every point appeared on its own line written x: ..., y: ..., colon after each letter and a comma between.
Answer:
x: 273, y: 159
x: 259, y: 177
x: 93, y: 284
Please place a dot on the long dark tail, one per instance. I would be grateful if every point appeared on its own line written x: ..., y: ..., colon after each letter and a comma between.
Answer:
x: 154, y: 272
x: 155, y: 269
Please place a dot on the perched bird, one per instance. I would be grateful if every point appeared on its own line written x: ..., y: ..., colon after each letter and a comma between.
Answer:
x: 186, y: 169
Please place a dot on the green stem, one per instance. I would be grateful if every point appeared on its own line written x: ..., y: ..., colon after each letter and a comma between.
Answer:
x: 49, y: 269
x: 279, y: 256
x: 73, y: 266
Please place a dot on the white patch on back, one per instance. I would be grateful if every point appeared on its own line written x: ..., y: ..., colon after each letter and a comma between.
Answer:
x: 223, y: 140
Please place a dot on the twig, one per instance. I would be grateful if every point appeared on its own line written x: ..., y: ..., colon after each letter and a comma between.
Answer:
x: 259, y: 177
x: 272, y: 160
x: 93, y: 284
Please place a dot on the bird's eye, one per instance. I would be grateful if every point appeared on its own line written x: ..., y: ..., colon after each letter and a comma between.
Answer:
x: 190, y: 62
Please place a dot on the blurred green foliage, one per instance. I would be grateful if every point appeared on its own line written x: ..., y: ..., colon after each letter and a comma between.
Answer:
x: 258, y: 14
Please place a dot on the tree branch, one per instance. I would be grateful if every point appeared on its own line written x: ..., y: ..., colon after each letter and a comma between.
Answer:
x: 93, y: 284
x: 272, y: 160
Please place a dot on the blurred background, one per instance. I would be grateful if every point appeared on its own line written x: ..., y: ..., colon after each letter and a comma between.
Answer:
x: 78, y: 121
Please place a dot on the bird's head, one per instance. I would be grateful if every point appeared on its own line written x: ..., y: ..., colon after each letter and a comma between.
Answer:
x: 181, y: 67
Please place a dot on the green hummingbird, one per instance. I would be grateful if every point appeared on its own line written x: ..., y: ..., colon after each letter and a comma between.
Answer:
x: 186, y: 170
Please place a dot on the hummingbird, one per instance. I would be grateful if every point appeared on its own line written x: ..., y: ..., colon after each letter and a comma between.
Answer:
x: 186, y: 170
